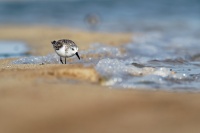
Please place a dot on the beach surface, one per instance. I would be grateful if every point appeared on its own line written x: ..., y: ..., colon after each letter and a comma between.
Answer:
x: 49, y: 98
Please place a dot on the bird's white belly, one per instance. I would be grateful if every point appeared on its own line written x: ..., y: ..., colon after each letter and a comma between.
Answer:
x: 62, y: 52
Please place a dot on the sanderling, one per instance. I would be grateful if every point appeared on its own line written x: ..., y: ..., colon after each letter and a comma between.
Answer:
x: 65, y: 48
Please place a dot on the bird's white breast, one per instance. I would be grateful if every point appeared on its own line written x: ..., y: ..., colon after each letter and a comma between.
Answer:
x: 61, y: 51
x: 65, y: 53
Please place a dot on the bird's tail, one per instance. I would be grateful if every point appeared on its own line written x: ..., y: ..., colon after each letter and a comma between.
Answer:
x: 53, y: 42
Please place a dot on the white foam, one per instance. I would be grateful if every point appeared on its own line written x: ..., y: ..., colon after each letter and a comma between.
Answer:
x: 49, y: 59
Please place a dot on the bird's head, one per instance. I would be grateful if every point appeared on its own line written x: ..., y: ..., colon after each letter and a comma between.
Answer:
x: 73, y: 50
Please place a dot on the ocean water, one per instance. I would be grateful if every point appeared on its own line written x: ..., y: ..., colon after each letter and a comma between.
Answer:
x: 10, y: 49
x: 101, y: 15
x: 164, y: 51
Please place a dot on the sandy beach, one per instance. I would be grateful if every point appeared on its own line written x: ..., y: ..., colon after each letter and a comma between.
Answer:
x: 56, y: 98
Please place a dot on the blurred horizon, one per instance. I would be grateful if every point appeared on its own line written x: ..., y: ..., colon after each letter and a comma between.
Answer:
x: 107, y: 15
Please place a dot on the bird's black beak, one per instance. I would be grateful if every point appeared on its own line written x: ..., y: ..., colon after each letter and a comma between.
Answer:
x: 78, y: 55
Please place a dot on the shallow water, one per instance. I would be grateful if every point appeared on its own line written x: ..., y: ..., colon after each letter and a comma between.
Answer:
x: 10, y: 49
x: 153, y: 60
x: 156, y: 60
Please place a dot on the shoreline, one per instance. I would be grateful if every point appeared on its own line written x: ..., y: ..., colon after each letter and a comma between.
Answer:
x: 59, y: 98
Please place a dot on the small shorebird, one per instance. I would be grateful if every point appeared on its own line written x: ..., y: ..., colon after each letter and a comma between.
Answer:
x: 65, y: 48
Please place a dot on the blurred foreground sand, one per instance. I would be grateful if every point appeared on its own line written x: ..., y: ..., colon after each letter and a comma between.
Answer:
x: 68, y: 98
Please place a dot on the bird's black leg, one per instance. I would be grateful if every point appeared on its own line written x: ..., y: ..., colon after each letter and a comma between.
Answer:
x: 65, y: 60
x: 61, y: 60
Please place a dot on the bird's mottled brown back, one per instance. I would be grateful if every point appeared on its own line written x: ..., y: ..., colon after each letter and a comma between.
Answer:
x: 58, y: 44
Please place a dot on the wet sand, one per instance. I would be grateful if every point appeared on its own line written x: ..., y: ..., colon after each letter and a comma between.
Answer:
x: 59, y: 98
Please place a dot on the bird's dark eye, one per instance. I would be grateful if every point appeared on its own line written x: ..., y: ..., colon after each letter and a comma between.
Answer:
x: 73, y: 49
